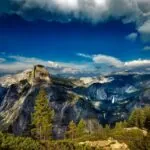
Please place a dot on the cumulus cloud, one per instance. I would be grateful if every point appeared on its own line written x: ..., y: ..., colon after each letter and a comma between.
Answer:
x: 110, y: 61
x: 20, y: 63
x: 13, y: 67
x: 137, y: 63
x: 144, y: 31
x: 104, y: 59
x: 132, y: 37
x: 96, y: 65
x: 95, y: 10
x: 137, y: 11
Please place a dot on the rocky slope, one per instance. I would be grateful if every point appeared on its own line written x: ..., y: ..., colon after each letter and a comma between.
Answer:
x: 115, y: 98
x: 105, y: 99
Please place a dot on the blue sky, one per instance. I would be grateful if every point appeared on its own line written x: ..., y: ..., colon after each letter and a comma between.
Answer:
x: 61, y: 41
x: 65, y: 33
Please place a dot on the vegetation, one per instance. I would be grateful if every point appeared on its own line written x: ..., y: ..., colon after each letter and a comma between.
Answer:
x: 10, y: 142
x: 140, y: 118
x: 76, y: 131
x: 137, y: 118
x: 42, y: 117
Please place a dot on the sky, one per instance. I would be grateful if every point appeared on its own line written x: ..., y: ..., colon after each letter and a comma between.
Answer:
x: 86, y: 37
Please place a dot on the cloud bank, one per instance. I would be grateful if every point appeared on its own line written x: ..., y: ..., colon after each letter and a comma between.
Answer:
x: 114, y: 64
x: 13, y: 64
x: 94, y: 66
x: 94, y: 11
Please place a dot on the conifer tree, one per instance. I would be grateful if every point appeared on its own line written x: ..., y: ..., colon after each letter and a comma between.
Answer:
x: 81, y: 128
x: 137, y: 118
x: 42, y: 117
x: 119, y: 126
x: 147, y: 120
x: 72, y: 130
x: 107, y: 129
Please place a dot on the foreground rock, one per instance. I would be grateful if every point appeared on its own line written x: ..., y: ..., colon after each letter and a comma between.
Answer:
x: 138, y: 129
x: 109, y: 144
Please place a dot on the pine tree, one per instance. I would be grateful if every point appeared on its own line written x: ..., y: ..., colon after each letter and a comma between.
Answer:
x: 81, y: 128
x: 119, y: 126
x: 137, y: 118
x: 141, y: 118
x: 107, y: 130
x: 42, y: 117
x: 72, y: 130
x: 147, y: 120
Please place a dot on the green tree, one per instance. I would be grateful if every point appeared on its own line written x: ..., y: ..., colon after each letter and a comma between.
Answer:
x: 72, y: 130
x: 81, y: 128
x: 42, y: 117
x: 107, y: 130
x: 137, y: 118
x: 119, y: 126
x: 147, y: 120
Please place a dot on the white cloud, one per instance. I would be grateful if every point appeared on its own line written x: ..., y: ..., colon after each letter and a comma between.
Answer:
x: 137, y: 63
x: 146, y: 48
x: 99, y: 64
x: 93, y: 10
x: 83, y: 55
x: 30, y: 60
x: 110, y: 61
x: 144, y: 31
x: 137, y: 11
x: 13, y: 67
x: 132, y: 37
x: 54, y: 64
x: 68, y: 68
x: 104, y: 59
x: 21, y: 63
x: 2, y: 60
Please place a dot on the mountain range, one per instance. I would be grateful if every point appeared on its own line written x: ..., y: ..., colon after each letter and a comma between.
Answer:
x: 104, y: 99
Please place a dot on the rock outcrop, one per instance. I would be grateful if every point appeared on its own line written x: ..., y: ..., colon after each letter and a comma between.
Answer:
x: 40, y: 74
x: 109, y: 144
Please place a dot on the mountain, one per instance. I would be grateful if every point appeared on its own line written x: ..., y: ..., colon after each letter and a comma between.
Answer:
x: 102, y: 100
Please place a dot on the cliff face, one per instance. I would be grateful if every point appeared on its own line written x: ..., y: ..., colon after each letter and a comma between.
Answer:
x: 40, y: 74
x: 104, y: 102
x: 18, y: 99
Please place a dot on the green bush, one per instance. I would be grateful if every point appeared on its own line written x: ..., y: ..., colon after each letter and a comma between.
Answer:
x: 10, y: 142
